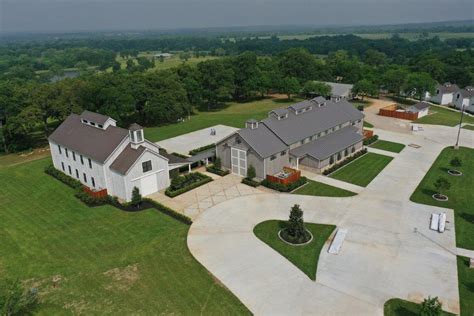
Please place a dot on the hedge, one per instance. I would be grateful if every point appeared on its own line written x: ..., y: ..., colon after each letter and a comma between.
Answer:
x: 344, y: 162
x: 282, y: 187
x: 113, y: 200
x: 219, y: 172
x: 182, y: 184
x: 371, y: 140
x: 201, y: 149
x: 250, y: 182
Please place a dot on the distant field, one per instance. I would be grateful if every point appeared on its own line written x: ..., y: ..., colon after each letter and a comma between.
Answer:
x: 167, y: 63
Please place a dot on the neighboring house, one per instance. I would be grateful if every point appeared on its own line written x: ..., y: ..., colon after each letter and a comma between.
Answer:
x: 92, y: 149
x: 444, y: 93
x: 464, y: 99
x: 340, y: 91
x: 313, y: 134
x: 421, y: 108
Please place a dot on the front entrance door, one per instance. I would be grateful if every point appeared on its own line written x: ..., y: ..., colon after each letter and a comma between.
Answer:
x: 239, y: 162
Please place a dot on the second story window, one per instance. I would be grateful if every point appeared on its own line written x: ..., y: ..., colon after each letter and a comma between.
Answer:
x: 82, y: 159
x: 85, y: 177
x: 146, y: 166
x: 60, y: 151
x: 62, y: 166
x: 90, y: 163
x: 93, y: 181
x: 74, y: 156
x: 67, y: 153
x: 69, y: 169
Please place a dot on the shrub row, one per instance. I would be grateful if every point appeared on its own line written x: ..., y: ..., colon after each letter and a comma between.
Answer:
x: 181, y: 184
x: 282, y: 187
x: 344, y: 162
x: 371, y: 140
x: 219, y: 172
x: 201, y: 149
x: 179, y: 155
x: 113, y: 200
x: 250, y: 182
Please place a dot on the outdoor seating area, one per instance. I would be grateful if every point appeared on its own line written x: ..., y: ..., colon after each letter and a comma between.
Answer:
x: 286, y: 176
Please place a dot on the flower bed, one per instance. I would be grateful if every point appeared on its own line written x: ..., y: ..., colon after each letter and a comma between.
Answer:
x: 290, y: 240
x: 282, y: 187
x: 440, y: 197
x: 250, y: 182
x: 217, y: 171
x: 182, y: 184
x: 345, y: 161
x: 455, y: 173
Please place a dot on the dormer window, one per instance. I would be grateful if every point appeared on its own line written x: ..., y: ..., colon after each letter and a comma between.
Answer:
x: 100, y: 126
x: 85, y: 121
x: 92, y: 123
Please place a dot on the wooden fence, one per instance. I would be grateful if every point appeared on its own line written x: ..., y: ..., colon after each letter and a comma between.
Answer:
x: 391, y: 111
x: 295, y: 175
x: 97, y: 194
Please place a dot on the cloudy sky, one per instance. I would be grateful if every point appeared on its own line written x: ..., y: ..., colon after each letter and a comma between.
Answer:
x: 89, y: 15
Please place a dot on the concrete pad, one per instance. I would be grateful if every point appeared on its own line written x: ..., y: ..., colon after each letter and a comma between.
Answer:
x: 184, y: 143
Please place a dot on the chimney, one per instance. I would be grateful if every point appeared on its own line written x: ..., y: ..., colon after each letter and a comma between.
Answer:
x: 252, y: 124
x: 135, y: 132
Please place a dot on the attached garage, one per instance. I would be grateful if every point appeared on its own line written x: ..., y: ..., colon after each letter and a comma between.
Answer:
x: 149, y: 184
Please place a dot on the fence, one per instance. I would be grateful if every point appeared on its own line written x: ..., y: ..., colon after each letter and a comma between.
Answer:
x: 391, y: 111
x: 97, y: 194
x: 294, y: 175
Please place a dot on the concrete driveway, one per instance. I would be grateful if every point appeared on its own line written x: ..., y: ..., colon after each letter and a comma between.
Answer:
x: 388, y: 252
x: 387, y: 123
x: 184, y: 143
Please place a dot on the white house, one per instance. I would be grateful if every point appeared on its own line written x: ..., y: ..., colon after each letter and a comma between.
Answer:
x: 464, y: 99
x: 421, y: 108
x: 444, y: 93
x: 91, y: 148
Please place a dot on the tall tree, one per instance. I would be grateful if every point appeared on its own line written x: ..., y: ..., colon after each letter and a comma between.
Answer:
x: 418, y: 83
x: 217, y: 82
x: 364, y: 88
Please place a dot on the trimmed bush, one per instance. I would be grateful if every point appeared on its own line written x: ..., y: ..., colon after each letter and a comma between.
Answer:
x: 201, y: 149
x: 179, y: 155
x: 282, y: 187
x: 345, y: 162
x: 168, y: 211
x: 251, y: 173
x: 219, y: 172
x: 371, y: 140
x: 218, y: 163
x: 90, y: 200
x: 250, y: 182
x: 181, y: 184
x: 64, y: 178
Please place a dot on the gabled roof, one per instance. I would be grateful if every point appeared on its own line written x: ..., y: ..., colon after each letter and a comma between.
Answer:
x: 340, y: 89
x: 172, y: 159
x: 319, y: 100
x: 467, y: 92
x: 447, y: 88
x: 92, y: 142
x: 325, y: 146
x: 420, y: 106
x: 280, y: 111
x: 262, y: 140
x: 94, y: 117
x: 302, y: 105
x: 298, y: 127
x: 126, y: 159
x: 135, y: 127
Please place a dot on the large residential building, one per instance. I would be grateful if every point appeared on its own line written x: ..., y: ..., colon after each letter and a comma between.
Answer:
x: 444, y: 93
x: 313, y: 134
x: 464, y: 99
x: 92, y: 149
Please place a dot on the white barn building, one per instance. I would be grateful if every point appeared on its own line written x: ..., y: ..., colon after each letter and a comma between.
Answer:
x: 464, y: 99
x: 444, y: 93
x: 92, y: 149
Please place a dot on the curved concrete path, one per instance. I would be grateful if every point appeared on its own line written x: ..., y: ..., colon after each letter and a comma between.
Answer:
x: 383, y: 256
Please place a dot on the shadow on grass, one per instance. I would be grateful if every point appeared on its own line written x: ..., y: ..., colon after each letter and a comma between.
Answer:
x: 467, y: 217
x: 428, y: 192
x: 404, y: 311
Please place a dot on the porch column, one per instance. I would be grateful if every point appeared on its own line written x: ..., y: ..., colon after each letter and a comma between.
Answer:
x: 297, y: 163
x: 189, y: 167
x: 207, y: 162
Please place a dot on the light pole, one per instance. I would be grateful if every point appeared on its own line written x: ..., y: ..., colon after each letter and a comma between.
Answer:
x: 460, y: 124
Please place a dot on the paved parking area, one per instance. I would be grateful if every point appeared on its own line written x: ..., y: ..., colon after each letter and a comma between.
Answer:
x: 387, y: 123
x: 389, y: 250
x: 184, y: 143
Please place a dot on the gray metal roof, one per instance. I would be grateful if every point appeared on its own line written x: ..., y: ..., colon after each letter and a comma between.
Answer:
x: 135, y: 127
x: 172, y: 159
x: 447, y: 87
x: 467, y: 92
x: 203, y: 155
x: 319, y: 100
x: 89, y: 141
x: 280, y: 111
x: 419, y: 106
x: 126, y: 159
x: 94, y: 117
x: 319, y: 119
x: 262, y: 140
x: 328, y: 145
x: 302, y: 105
x: 340, y: 89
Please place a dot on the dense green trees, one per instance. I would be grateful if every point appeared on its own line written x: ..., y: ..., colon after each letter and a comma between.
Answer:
x: 418, y: 83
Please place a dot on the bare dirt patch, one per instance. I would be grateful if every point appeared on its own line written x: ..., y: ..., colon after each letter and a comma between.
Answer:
x: 122, y: 278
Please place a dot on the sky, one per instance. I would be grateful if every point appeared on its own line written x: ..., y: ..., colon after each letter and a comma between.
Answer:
x: 91, y: 15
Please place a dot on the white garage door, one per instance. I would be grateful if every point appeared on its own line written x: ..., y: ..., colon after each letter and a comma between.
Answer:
x: 149, y: 184
x: 239, y: 162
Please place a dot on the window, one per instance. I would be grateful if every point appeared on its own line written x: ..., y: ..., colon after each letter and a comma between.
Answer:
x: 69, y: 168
x: 93, y: 181
x: 82, y: 160
x: 302, y: 142
x: 437, y: 91
x: 346, y: 152
x: 283, y: 153
x: 273, y: 157
x: 74, y: 156
x: 339, y: 156
x: 331, y: 160
x: 353, y: 149
x: 457, y: 97
x: 85, y: 121
x: 67, y: 153
x: 90, y: 163
x: 139, y: 136
x: 92, y: 123
x: 60, y: 151
x: 85, y: 177
x: 77, y: 173
x: 146, y: 166
x: 101, y: 126
x: 62, y: 166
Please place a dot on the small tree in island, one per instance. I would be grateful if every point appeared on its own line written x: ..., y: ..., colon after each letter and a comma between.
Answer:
x: 251, y: 173
x: 431, y: 307
x: 295, y: 232
x: 441, y: 185
x: 136, y: 197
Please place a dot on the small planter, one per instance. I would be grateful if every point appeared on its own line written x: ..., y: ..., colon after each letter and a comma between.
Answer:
x: 440, y: 197
x: 454, y: 172
x: 291, y: 244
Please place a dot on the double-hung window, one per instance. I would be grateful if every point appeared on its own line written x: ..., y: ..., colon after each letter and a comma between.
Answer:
x: 60, y: 151
x: 146, y: 166
x: 90, y: 163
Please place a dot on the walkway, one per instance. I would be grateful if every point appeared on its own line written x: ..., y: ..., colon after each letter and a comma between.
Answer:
x: 331, y: 181
x: 465, y: 252
x: 382, y: 256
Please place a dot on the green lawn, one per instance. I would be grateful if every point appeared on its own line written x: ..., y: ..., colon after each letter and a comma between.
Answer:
x: 443, y: 116
x: 399, y: 307
x: 469, y: 127
x: 304, y: 257
x: 234, y: 114
x: 388, y: 146
x: 167, y: 63
x: 322, y: 189
x: 466, y: 286
x: 460, y: 193
x: 362, y: 170
x: 108, y: 261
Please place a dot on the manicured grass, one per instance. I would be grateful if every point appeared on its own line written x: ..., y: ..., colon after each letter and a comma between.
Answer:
x: 388, y: 146
x: 466, y: 286
x: 460, y: 193
x: 367, y: 124
x: 363, y: 170
x: 443, y: 116
x: 234, y: 114
x: 304, y: 257
x: 322, y: 189
x: 469, y: 127
x: 108, y: 261
x: 399, y: 307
